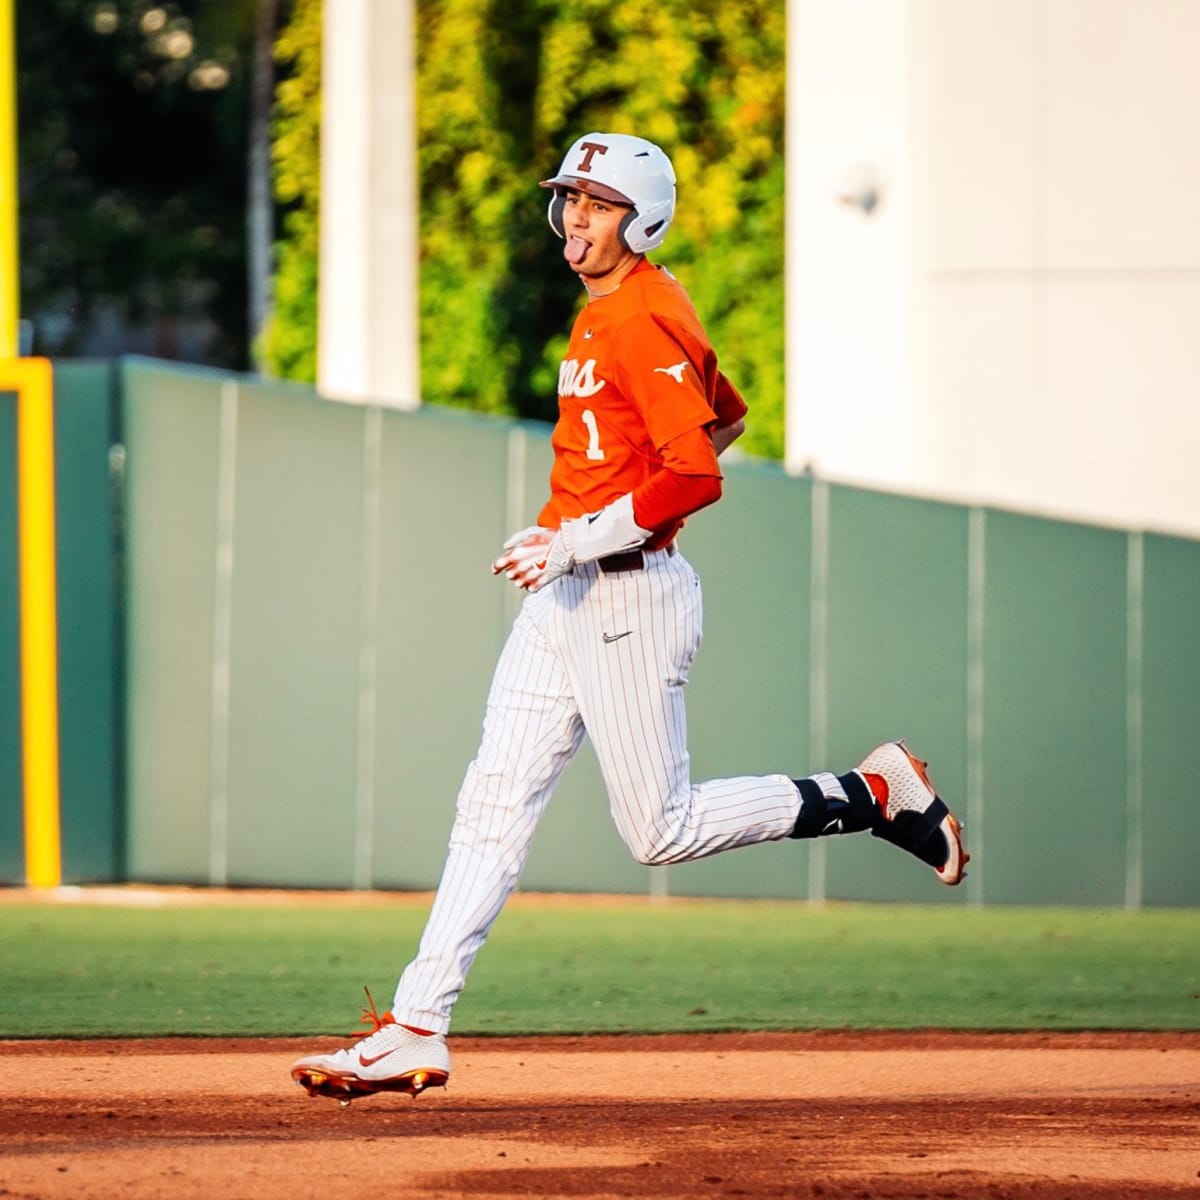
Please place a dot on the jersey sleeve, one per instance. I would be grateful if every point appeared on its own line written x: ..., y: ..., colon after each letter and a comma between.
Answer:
x: 688, y: 480
x: 724, y: 399
x: 657, y: 373
x: 691, y: 453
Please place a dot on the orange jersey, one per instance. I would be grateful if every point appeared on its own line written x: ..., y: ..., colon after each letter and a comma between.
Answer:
x: 639, y: 372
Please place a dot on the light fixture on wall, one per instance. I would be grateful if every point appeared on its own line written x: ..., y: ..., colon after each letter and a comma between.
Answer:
x: 860, y: 186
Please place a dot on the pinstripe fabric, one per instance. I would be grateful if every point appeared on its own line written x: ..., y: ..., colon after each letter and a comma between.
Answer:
x: 557, y: 676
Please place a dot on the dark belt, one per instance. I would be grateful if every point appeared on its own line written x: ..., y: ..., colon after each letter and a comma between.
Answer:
x: 628, y: 560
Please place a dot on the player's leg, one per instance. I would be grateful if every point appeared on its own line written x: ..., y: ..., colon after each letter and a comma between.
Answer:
x: 531, y: 731
x: 633, y: 706
x: 635, y: 635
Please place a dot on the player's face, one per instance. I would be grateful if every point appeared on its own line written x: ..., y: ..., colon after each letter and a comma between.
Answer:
x: 594, y: 248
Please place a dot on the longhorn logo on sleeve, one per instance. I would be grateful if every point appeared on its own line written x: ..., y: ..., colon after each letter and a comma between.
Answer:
x: 675, y: 372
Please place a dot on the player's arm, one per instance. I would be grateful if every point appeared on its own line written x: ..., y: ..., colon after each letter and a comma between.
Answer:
x: 688, y: 480
x: 731, y: 410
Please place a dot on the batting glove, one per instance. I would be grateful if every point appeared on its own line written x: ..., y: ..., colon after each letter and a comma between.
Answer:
x: 608, y: 531
x: 537, y: 556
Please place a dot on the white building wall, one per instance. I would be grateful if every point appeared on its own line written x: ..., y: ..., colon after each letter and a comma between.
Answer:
x: 849, y: 131
x: 1051, y: 310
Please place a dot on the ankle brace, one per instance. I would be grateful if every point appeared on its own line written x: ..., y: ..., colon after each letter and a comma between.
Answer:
x: 821, y: 814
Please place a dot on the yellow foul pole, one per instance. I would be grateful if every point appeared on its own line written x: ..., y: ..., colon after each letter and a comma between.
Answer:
x: 32, y: 381
x: 9, y: 287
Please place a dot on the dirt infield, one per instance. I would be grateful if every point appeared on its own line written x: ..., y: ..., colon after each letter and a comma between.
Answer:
x: 812, y: 1115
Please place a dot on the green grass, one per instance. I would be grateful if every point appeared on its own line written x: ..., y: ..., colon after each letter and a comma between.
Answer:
x: 83, y: 970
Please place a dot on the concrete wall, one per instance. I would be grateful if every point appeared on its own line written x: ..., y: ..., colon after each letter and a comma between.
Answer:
x: 312, y: 626
x: 1014, y: 322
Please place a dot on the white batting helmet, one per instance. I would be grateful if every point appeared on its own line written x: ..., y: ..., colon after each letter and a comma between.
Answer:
x: 624, y: 170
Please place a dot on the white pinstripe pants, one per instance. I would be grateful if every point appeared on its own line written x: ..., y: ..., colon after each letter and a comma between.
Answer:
x: 608, y: 655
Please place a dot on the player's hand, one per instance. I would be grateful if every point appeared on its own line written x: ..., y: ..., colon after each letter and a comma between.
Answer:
x: 534, y: 557
x: 523, y: 550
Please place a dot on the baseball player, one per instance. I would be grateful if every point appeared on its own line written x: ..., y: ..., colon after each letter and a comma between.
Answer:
x: 606, y: 636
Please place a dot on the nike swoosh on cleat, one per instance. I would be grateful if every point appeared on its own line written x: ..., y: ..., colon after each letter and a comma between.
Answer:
x: 370, y: 1062
x: 616, y: 637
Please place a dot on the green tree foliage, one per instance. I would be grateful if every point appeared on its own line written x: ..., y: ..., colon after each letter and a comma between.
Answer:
x: 504, y: 86
x: 288, y: 346
x: 131, y: 222
x: 470, y: 198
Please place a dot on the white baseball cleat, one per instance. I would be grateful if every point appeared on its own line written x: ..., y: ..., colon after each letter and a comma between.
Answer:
x: 913, y: 816
x: 392, y: 1059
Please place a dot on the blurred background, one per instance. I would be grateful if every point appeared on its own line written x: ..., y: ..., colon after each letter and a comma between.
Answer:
x: 991, y: 258
x: 170, y: 174
x: 134, y: 127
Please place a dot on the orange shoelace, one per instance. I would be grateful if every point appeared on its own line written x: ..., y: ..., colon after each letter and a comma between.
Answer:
x: 372, y: 1017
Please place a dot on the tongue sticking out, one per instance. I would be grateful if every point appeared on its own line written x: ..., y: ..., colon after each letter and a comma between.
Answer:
x: 575, y: 249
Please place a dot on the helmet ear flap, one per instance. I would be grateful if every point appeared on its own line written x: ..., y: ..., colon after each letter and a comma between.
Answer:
x: 554, y: 213
x: 627, y: 220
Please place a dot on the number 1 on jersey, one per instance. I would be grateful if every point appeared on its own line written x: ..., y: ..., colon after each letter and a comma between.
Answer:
x: 593, y: 451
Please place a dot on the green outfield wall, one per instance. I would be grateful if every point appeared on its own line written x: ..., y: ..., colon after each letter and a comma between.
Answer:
x: 277, y: 629
x: 90, y: 666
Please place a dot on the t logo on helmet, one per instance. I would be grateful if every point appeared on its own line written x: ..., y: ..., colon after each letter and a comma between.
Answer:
x: 591, y: 149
